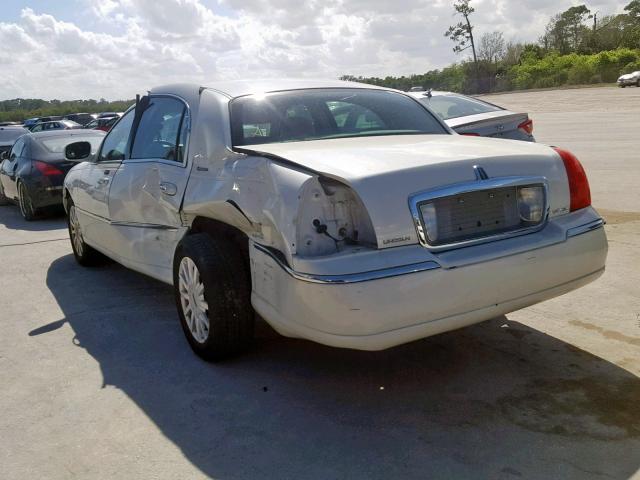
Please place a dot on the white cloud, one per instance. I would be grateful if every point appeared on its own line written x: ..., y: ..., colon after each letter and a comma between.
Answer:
x: 138, y: 44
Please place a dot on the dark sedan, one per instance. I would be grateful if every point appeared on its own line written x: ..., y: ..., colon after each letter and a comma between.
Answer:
x: 9, y: 135
x: 32, y: 174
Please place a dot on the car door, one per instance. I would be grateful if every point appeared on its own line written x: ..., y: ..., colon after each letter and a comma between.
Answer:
x: 10, y: 168
x: 90, y: 185
x: 147, y: 190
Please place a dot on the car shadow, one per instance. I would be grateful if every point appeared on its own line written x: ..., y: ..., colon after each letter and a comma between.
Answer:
x: 50, y: 220
x: 495, y: 400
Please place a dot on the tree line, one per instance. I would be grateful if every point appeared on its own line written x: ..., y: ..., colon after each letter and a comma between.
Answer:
x: 578, y: 46
x: 19, y: 109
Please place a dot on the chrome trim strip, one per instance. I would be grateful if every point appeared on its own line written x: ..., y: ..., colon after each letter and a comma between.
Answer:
x: 126, y: 224
x: 587, y: 227
x: 350, y: 277
x: 499, y: 182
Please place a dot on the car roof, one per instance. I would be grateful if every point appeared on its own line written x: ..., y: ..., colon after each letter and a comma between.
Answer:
x: 239, y: 88
x: 64, y: 133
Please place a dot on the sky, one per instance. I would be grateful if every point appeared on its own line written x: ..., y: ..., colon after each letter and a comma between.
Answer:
x: 113, y: 49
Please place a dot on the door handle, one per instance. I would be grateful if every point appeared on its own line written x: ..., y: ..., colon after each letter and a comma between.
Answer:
x: 103, y: 181
x: 168, y: 188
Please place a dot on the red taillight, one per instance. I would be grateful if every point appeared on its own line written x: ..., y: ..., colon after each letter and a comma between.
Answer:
x: 578, y: 182
x: 47, y: 169
x: 527, y: 126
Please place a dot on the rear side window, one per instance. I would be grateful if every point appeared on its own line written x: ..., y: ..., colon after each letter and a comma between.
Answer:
x: 161, y: 133
x: 115, y: 143
x: 18, y: 148
x: 454, y: 106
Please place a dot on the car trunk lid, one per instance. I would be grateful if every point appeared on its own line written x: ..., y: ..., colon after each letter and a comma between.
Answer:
x: 386, y: 170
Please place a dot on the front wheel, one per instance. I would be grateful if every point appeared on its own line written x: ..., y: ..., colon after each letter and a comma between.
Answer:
x: 84, y: 254
x: 27, y: 210
x: 213, y: 296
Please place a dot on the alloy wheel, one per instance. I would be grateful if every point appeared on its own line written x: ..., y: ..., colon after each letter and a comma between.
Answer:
x: 194, y: 305
x: 75, y: 232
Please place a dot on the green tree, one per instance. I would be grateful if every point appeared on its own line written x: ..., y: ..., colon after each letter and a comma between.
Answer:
x: 462, y: 33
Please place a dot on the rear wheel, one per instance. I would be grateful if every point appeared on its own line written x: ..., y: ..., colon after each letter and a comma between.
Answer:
x: 213, y: 296
x: 84, y: 254
x: 27, y: 210
x: 638, y: 83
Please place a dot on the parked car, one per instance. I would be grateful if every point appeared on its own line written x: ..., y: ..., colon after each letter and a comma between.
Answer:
x: 30, y: 122
x: 81, y: 118
x: 55, y: 125
x: 10, y: 124
x: 362, y: 227
x: 471, y: 116
x: 9, y: 135
x: 107, y: 115
x: 103, y: 124
x: 32, y: 174
x: 632, y: 78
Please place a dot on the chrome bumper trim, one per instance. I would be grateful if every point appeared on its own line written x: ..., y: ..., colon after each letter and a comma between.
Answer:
x: 587, y: 227
x: 350, y: 277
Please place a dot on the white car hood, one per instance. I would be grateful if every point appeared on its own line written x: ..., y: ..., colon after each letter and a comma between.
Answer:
x: 386, y: 170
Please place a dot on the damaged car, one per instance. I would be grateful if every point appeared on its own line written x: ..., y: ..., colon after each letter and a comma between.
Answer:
x: 345, y: 214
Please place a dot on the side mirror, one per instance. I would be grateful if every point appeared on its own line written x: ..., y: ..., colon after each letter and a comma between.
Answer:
x: 4, y: 155
x: 77, y: 151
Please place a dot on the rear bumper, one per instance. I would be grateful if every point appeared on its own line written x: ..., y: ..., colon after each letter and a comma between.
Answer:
x: 627, y: 82
x: 381, y: 312
x: 45, y: 193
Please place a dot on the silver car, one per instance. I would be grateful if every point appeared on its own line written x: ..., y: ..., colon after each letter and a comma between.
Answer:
x: 629, y: 79
x: 341, y: 213
x: 474, y: 117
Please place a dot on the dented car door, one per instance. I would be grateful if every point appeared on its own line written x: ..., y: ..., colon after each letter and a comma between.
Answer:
x: 147, y: 190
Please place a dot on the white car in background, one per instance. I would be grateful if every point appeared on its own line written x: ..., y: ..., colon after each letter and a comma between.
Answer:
x: 341, y: 213
x: 474, y: 117
x: 632, y: 78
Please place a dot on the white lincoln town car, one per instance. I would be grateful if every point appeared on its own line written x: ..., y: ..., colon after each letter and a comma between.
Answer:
x: 341, y: 213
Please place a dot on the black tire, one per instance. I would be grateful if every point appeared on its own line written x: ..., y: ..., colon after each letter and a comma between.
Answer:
x: 27, y: 210
x: 638, y: 83
x: 227, y: 292
x: 84, y: 254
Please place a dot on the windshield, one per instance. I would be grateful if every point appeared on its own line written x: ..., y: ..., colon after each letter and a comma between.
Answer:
x: 57, y: 144
x: 454, y: 106
x: 300, y: 115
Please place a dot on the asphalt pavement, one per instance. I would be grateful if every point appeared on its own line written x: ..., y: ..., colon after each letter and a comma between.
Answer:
x: 98, y: 382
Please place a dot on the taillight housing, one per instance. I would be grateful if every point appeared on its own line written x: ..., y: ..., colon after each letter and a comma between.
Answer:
x: 47, y: 169
x: 527, y: 126
x: 578, y: 182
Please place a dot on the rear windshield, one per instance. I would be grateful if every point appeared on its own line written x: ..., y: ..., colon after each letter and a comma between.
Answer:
x: 300, y: 115
x: 454, y: 106
x: 57, y: 144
